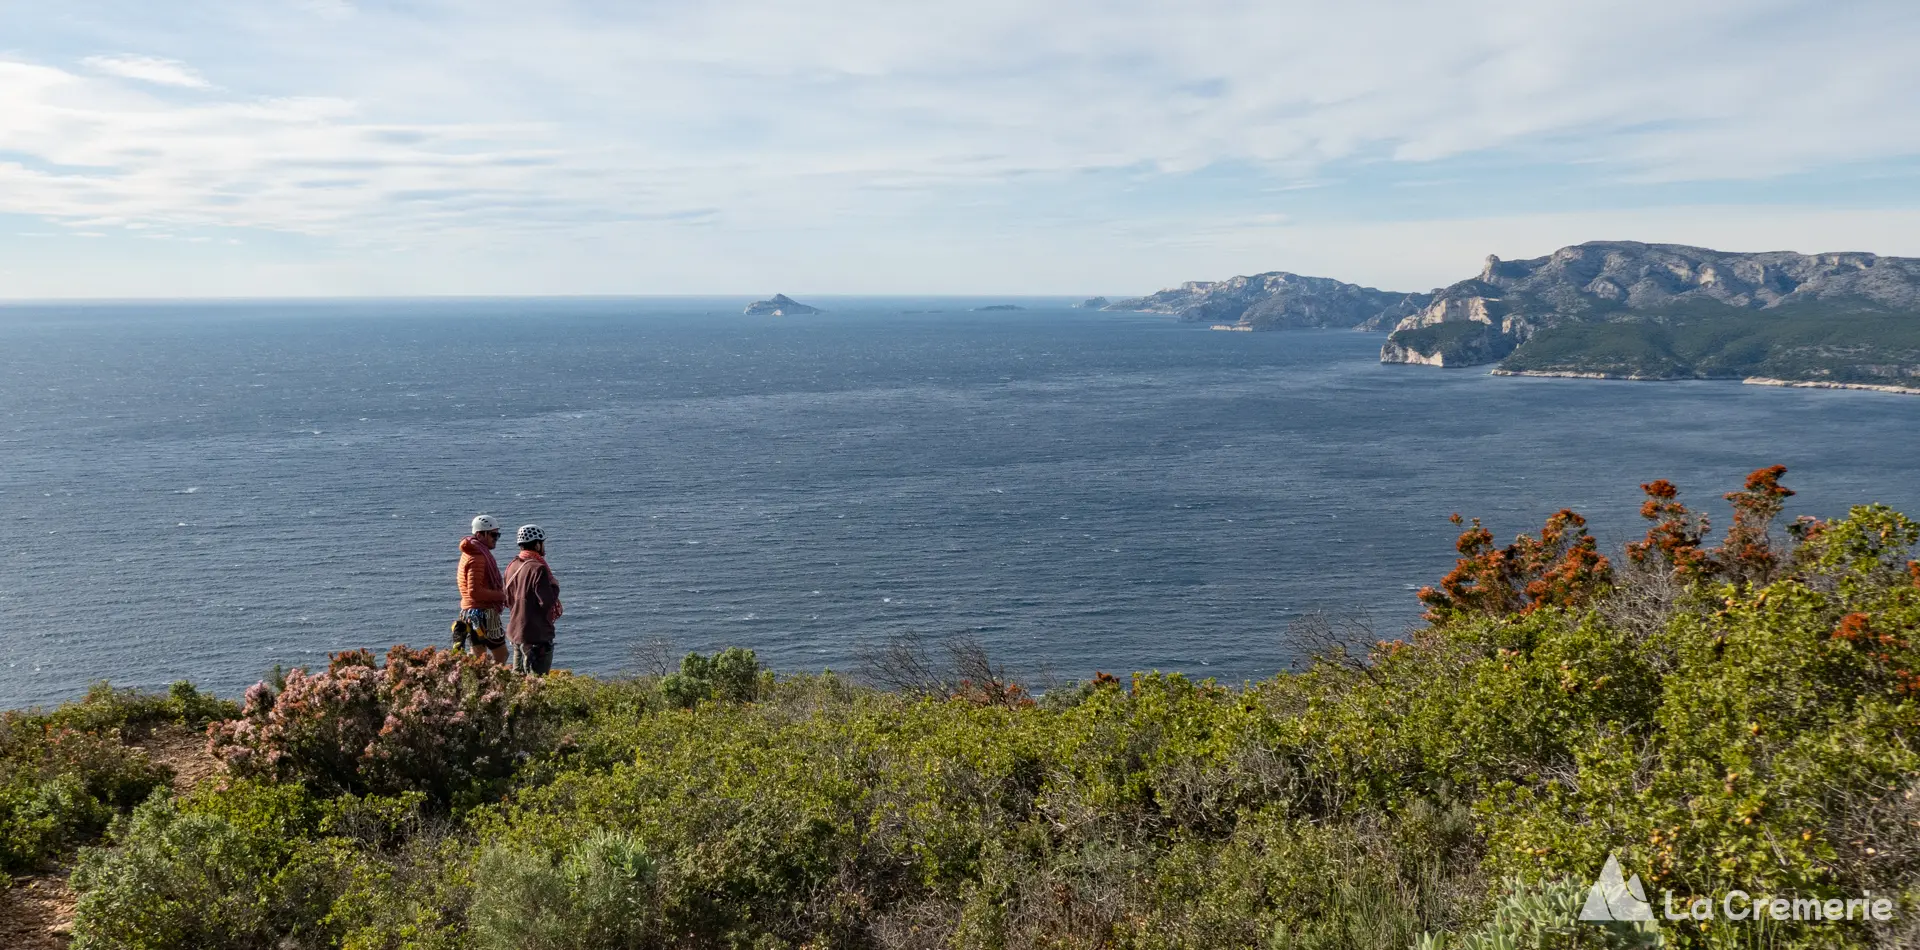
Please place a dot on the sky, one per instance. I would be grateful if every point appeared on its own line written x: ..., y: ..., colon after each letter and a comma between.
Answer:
x: 208, y: 148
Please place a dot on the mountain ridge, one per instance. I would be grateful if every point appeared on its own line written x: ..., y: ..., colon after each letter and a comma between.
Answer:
x: 1279, y: 299
x: 1615, y: 309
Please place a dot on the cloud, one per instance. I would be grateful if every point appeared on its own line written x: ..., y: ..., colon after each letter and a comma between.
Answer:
x: 160, y: 72
x: 489, y: 123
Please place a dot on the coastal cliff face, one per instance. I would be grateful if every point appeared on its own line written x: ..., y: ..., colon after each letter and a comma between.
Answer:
x: 1277, y: 300
x: 1614, y: 281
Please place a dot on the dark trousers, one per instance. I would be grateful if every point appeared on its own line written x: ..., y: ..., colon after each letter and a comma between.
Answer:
x: 535, y: 658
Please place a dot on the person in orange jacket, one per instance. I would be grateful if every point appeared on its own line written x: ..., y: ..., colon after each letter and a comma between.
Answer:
x: 482, y: 593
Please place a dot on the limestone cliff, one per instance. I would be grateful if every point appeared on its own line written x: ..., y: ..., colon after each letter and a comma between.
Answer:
x: 1603, y: 281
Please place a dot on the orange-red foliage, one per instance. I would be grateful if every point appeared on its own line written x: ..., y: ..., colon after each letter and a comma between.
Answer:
x: 1676, y: 534
x: 1560, y: 568
x: 1857, y: 629
x: 1747, y: 553
x: 990, y: 693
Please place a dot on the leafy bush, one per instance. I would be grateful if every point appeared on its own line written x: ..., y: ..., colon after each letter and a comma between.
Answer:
x: 133, y: 712
x: 1545, y: 915
x: 599, y: 896
x: 239, y: 870
x: 60, y: 787
x: 732, y: 674
x: 438, y: 722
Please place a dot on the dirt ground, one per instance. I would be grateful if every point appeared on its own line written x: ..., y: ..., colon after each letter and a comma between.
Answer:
x: 184, y: 751
x: 36, y: 913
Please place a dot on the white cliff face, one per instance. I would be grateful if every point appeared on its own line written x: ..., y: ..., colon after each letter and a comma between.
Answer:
x: 1450, y: 309
x: 1391, y: 352
x: 1590, y: 281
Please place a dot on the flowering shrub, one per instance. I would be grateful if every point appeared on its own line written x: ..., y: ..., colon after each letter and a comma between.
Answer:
x: 432, y: 721
x: 1674, y: 540
x: 1560, y: 568
x: 1747, y: 554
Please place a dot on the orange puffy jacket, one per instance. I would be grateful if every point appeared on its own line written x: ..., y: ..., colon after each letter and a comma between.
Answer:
x: 479, y: 576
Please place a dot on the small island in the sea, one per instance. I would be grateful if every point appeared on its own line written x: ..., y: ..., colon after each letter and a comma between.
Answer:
x: 1001, y: 306
x: 780, y: 305
x: 1092, y: 303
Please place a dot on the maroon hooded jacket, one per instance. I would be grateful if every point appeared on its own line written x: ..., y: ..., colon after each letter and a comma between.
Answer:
x: 533, y: 599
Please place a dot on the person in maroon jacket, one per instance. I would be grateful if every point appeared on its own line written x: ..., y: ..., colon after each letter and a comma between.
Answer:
x: 533, y: 603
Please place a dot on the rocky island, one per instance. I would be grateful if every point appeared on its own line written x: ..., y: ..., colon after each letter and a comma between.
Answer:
x: 1277, y: 300
x: 1092, y: 303
x: 1627, y: 310
x: 780, y: 305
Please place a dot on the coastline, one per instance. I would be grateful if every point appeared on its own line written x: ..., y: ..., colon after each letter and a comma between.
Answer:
x: 1576, y: 374
x: 1748, y: 381
x: 1810, y: 384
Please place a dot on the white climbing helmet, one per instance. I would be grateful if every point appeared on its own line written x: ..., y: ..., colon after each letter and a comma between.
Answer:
x: 485, y: 523
x: 528, y: 534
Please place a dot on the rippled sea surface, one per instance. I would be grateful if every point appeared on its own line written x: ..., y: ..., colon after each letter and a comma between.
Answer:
x: 204, y: 490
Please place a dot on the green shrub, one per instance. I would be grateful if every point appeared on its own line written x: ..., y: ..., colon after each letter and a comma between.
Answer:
x: 132, y: 711
x: 412, y: 895
x: 1545, y: 915
x: 239, y: 870
x: 685, y: 691
x: 732, y: 674
x: 598, y: 896
x: 60, y: 787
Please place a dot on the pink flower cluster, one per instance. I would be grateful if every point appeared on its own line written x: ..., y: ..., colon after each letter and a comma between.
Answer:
x: 428, y: 720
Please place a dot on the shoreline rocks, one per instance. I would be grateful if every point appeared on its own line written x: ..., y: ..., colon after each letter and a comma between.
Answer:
x: 1819, y: 384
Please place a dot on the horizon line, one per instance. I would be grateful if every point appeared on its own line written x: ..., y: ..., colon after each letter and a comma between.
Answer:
x: 319, y: 298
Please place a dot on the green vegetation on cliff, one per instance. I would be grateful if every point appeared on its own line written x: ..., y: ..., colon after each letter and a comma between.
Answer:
x: 1822, y: 342
x: 1742, y: 714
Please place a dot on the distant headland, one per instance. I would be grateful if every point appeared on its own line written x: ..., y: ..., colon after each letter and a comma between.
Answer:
x: 1615, y: 310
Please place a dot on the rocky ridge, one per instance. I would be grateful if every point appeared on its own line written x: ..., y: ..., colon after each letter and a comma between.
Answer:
x: 1510, y: 302
x: 1278, y: 299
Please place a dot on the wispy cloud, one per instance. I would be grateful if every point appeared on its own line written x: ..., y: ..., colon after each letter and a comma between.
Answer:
x: 160, y: 72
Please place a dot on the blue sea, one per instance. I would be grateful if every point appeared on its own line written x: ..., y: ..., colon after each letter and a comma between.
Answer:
x: 204, y: 490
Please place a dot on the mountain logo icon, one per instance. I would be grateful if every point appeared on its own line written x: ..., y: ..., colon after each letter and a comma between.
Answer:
x: 1614, y: 898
